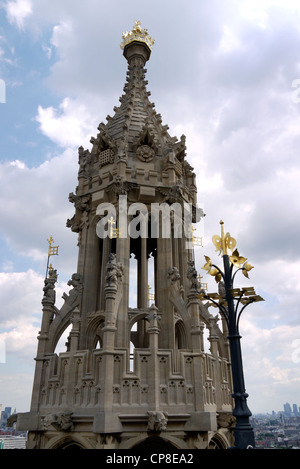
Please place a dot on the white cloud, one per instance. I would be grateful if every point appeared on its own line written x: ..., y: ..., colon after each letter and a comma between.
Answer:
x: 68, y: 126
x: 271, y: 371
x: 18, y: 11
x: 62, y: 34
x: 229, y: 41
x: 20, y: 317
x: 23, y: 283
x: 37, y: 206
x: 16, y: 388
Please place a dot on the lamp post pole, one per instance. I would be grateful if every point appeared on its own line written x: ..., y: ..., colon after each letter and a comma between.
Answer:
x: 243, y: 431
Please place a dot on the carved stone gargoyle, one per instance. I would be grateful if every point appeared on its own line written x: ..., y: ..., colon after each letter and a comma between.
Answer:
x: 61, y: 422
x: 225, y: 420
x: 74, y: 294
x: 157, y: 421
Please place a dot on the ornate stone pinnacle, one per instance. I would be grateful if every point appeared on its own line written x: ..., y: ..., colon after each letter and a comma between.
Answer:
x: 137, y: 34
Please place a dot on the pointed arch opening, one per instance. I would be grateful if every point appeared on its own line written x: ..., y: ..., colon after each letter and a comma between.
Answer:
x: 68, y: 443
x: 155, y: 444
x: 98, y: 344
x: 218, y: 442
x: 94, y: 332
x: 180, y: 342
x: 63, y: 341
x: 151, y: 280
x: 133, y: 272
x: 139, y: 338
x: 180, y: 335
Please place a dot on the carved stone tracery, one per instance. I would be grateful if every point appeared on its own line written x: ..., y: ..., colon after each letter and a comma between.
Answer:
x: 145, y: 153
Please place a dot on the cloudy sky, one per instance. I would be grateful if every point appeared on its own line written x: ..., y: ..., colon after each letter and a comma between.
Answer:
x: 226, y: 73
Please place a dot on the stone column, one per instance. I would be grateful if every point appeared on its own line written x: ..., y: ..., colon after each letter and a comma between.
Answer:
x: 109, y: 332
x: 195, y: 326
x: 143, y: 276
x: 162, y: 301
x: 82, y: 236
x: 123, y: 256
x: 196, y: 330
x: 104, y: 260
x: 75, y: 332
x: 90, y: 276
x: 217, y: 378
x: 110, y: 319
x: 154, y: 377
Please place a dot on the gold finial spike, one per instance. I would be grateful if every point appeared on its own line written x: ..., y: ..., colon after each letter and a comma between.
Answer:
x: 111, y: 222
x: 151, y: 296
x: 53, y: 250
x: 223, y: 238
x: 203, y: 286
x: 137, y: 34
x: 224, y: 242
x: 196, y: 240
x: 113, y: 232
x: 50, y: 240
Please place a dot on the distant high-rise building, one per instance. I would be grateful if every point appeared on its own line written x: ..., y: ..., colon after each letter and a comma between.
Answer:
x: 5, y: 414
x: 295, y: 410
x: 287, y: 409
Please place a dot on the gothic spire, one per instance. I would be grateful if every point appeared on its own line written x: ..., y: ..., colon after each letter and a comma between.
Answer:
x: 135, y: 122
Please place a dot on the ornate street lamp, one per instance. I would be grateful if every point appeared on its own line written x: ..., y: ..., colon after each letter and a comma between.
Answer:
x: 231, y: 303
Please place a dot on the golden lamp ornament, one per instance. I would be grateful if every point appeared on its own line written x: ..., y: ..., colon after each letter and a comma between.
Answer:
x: 223, y: 243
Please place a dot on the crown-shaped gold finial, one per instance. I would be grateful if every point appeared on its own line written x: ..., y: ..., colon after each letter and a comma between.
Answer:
x: 137, y: 34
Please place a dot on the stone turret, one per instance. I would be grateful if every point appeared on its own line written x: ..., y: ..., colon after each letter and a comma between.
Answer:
x: 132, y: 374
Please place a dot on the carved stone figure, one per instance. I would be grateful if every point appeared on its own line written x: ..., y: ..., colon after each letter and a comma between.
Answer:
x: 64, y: 422
x: 157, y: 421
x: 71, y: 223
x: 180, y: 148
x: 121, y: 187
x: 173, y: 274
x: 221, y: 289
x: 192, y: 275
x: 172, y: 194
x: 49, y: 291
x: 61, y: 422
x: 123, y: 149
x: 80, y: 202
x: 85, y: 159
x: 114, y: 271
x: 73, y: 297
x: 47, y: 421
x: 225, y: 420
